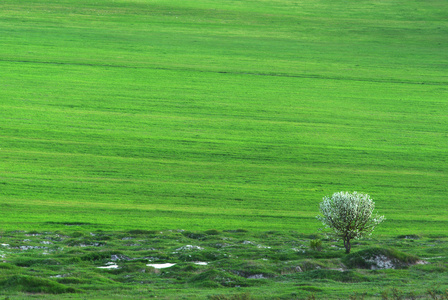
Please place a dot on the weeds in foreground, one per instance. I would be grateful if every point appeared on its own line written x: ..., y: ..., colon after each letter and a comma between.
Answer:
x: 244, y: 296
x: 356, y: 297
x: 436, y: 294
x: 397, y: 294
x: 316, y: 245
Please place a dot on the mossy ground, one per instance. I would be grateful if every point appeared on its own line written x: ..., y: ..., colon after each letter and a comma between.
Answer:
x: 214, y: 264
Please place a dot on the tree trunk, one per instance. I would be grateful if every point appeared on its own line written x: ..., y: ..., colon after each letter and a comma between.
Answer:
x: 347, y: 245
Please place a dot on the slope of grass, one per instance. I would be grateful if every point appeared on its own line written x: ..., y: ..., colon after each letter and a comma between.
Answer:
x: 240, y: 114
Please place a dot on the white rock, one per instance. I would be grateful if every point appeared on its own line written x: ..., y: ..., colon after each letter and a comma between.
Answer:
x: 256, y: 276
x: 110, y: 265
x: 161, y: 266
x: 381, y: 262
x: 189, y: 247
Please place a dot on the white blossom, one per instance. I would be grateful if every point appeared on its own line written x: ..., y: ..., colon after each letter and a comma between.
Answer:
x: 349, y: 215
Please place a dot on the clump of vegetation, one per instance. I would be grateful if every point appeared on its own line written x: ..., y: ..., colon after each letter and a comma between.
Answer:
x: 397, y: 294
x: 32, y: 284
x: 316, y: 245
x: 349, y: 215
x: 436, y: 294
x: 214, y: 278
x: 212, y: 232
x: 379, y: 258
x: 243, y: 296
x: 253, y: 269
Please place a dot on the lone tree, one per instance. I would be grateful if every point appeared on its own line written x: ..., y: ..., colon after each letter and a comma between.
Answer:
x: 349, y: 215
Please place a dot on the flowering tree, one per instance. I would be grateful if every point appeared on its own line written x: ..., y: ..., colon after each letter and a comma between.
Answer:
x: 349, y: 215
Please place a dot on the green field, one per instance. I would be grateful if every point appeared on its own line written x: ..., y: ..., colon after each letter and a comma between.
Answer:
x: 119, y: 115
x: 199, y: 115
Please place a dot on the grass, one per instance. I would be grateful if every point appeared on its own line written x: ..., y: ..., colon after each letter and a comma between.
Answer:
x: 198, y: 115
x: 259, y: 265
x: 234, y: 115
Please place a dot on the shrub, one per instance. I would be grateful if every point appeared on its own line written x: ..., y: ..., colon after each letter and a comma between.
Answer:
x: 349, y: 215
x: 316, y: 245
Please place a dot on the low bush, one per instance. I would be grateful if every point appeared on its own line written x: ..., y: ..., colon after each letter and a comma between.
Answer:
x: 316, y: 245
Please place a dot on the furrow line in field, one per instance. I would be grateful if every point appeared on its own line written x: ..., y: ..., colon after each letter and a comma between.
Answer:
x: 306, y: 76
x: 241, y: 212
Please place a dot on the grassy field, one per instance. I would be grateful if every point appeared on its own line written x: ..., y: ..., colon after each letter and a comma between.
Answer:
x: 215, y: 265
x: 241, y: 114
x: 119, y: 115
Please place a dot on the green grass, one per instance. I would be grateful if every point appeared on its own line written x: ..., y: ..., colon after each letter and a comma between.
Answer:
x: 262, y: 265
x: 198, y: 115
x: 171, y: 114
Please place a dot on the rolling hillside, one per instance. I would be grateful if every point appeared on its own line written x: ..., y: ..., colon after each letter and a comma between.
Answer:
x: 135, y: 114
